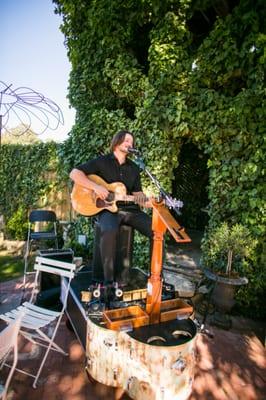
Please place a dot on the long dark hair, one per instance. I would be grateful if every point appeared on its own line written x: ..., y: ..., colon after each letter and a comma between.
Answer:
x: 118, y: 138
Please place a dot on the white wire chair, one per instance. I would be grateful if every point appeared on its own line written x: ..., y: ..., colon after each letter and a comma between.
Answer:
x: 8, y: 345
x: 37, y: 319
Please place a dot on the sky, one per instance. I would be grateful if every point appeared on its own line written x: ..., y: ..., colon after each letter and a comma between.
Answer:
x: 32, y: 54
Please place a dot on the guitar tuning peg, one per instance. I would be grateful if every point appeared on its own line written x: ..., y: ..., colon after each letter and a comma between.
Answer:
x: 179, y: 204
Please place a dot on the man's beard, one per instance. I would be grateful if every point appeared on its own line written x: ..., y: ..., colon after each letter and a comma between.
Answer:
x: 123, y: 150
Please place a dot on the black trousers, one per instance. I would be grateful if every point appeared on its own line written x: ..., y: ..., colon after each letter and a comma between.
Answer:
x: 109, y: 227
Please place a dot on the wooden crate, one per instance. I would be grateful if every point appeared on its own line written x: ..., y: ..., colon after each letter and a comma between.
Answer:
x: 175, y: 308
x: 86, y: 296
x: 125, y: 318
x: 137, y: 294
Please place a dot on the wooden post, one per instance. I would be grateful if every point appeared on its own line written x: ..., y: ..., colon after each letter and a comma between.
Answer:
x: 154, y: 288
x: 161, y: 221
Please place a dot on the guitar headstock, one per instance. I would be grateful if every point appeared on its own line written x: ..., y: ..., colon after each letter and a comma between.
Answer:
x: 173, y: 203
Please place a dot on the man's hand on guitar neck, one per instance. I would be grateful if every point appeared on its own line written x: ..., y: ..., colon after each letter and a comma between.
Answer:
x: 142, y: 200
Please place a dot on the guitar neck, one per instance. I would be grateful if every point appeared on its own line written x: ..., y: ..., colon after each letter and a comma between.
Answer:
x: 125, y: 197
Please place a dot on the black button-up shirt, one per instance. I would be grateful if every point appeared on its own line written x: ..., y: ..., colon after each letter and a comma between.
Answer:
x: 108, y: 168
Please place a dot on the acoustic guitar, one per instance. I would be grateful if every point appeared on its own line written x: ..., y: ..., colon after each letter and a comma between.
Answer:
x: 86, y: 202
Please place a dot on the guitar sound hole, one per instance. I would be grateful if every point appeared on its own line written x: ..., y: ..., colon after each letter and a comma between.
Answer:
x: 105, y: 203
x: 110, y: 197
x: 100, y: 203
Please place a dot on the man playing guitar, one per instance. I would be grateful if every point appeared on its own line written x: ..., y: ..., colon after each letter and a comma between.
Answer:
x: 112, y: 168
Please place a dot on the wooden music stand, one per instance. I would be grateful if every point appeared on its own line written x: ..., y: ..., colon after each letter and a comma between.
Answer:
x: 161, y: 221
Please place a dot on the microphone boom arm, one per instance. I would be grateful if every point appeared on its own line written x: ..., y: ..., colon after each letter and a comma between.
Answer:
x: 171, y: 203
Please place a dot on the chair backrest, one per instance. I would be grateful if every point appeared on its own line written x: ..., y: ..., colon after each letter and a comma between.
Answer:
x: 42, y: 216
x: 62, y: 268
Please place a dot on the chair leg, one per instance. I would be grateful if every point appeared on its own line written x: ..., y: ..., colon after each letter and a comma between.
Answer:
x: 51, y: 346
x: 26, y: 263
x: 11, y: 372
x: 46, y: 339
x: 26, y: 266
x: 54, y: 346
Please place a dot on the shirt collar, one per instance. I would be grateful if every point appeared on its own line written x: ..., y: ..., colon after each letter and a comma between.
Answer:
x: 113, y: 157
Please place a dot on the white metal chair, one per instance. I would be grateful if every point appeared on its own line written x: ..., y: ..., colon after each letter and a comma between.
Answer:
x: 8, y: 345
x: 37, y: 319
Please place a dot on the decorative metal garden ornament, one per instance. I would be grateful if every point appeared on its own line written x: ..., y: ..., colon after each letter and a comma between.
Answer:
x: 26, y: 107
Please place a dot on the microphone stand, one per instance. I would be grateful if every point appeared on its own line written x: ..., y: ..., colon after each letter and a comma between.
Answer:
x: 171, y: 203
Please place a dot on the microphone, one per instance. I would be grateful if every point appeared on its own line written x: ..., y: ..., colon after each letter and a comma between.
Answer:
x: 133, y: 151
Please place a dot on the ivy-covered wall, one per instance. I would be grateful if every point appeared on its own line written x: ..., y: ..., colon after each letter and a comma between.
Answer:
x: 176, y: 71
x: 27, y: 177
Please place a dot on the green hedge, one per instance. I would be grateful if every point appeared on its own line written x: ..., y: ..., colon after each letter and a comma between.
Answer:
x: 25, y: 182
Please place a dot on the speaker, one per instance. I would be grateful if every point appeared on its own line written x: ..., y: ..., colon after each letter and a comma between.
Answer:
x: 124, y: 253
x: 50, y: 284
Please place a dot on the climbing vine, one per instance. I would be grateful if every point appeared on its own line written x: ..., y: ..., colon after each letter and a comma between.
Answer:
x: 172, y: 71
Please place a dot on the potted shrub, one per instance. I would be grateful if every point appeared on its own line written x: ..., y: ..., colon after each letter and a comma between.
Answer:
x: 227, y: 252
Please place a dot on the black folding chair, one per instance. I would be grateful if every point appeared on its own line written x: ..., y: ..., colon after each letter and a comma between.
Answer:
x: 42, y: 229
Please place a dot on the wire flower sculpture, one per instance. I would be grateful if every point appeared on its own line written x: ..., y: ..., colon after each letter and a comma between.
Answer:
x: 26, y: 107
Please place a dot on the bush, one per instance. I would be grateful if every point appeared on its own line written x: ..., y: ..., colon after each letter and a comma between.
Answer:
x: 228, y: 250
x: 17, y: 225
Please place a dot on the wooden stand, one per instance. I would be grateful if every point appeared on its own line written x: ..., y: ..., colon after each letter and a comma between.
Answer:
x: 161, y: 221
